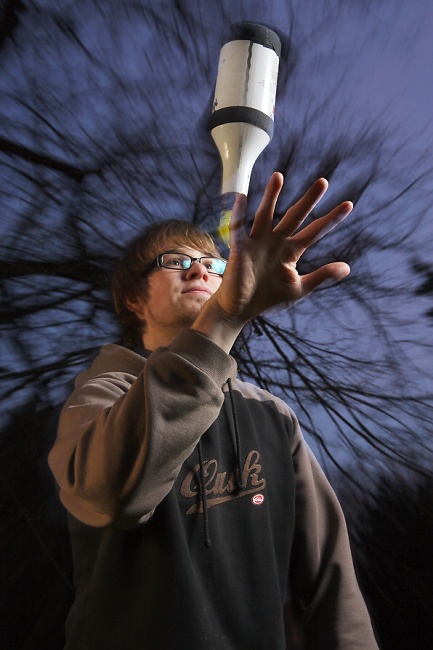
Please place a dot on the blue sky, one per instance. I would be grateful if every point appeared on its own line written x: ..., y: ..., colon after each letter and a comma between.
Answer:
x: 354, y: 79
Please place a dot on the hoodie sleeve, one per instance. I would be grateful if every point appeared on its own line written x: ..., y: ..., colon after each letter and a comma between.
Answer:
x: 323, y: 579
x: 122, y: 438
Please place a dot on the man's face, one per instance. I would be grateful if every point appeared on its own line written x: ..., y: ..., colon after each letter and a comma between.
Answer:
x: 174, y: 298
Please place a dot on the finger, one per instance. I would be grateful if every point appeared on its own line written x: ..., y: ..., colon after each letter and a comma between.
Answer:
x: 265, y: 212
x: 320, y: 227
x: 237, y: 221
x: 329, y: 273
x: 296, y: 214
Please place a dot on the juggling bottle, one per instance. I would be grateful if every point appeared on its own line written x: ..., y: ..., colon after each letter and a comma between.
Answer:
x: 242, y: 120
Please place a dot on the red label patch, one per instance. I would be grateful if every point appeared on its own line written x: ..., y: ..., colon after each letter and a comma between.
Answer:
x: 257, y: 499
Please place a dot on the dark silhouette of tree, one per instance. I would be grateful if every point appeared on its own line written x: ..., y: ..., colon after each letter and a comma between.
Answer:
x: 36, y: 566
x: 104, y: 130
x: 96, y: 143
x: 425, y: 288
x: 392, y: 535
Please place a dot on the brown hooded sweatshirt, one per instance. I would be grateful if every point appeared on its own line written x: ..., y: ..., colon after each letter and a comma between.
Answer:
x: 197, y: 511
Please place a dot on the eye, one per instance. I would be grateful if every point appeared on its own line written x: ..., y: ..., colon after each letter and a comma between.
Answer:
x: 216, y: 265
x: 176, y: 261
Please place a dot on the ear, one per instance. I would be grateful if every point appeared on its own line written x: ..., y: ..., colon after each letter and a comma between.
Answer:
x: 136, y: 306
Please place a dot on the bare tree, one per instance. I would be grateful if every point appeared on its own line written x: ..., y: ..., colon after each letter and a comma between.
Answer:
x: 104, y: 130
x: 391, y: 535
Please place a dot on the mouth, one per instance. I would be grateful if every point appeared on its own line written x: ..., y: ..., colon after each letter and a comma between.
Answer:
x: 198, y: 290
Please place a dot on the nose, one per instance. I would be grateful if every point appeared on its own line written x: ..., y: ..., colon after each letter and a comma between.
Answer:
x: 197, y: 270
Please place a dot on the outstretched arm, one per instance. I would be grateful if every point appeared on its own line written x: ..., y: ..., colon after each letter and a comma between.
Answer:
x: 261, y: 271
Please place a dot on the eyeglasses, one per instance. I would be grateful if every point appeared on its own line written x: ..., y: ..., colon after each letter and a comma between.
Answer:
x: 182, y: 262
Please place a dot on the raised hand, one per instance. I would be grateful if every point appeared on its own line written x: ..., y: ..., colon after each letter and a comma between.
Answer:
x: 261, y: 271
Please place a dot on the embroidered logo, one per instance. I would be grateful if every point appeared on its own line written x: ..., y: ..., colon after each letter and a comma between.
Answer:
x: 257, y: 499
x: 220, y: 488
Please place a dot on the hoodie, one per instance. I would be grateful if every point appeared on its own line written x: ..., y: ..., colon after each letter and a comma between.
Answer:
x: 197, y: 511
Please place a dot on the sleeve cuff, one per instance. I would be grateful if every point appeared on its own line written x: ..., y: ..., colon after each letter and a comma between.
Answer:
x: 205, y: 355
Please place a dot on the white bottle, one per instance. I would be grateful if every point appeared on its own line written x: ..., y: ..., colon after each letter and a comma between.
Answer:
x: 242, y: 120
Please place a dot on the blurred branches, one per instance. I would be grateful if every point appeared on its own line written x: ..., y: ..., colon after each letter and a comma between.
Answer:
x: 104, y: 130
x: 104, y: 110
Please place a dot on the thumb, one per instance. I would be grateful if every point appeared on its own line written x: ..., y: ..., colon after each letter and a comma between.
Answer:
x: 327, y: 274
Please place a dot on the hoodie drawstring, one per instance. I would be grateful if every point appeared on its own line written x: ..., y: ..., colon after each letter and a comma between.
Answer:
x: 203, y: 497
x: 238, y: 471
x: 237, y: 437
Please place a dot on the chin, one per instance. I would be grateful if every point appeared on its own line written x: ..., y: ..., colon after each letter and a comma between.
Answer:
x: 191, y: 315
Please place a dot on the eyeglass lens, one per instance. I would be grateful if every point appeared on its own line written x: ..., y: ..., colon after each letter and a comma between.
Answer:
x: 183, y: 261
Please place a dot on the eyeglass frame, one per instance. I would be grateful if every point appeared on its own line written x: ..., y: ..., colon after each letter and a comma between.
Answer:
x: 158, y: 262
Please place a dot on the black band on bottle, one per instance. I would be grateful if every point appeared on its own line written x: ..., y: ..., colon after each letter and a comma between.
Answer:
x: 242, y: 114
x: 258, y: 34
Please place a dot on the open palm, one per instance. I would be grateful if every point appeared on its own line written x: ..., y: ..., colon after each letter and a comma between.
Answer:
x: 261, y: 270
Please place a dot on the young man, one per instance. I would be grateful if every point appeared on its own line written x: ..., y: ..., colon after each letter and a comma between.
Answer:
x: 196, y: 508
